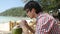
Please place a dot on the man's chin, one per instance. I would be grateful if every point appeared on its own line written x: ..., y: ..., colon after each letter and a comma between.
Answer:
x: 30, y: 17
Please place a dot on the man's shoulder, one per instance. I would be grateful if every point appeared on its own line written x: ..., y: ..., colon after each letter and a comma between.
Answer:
x: 46, y: 15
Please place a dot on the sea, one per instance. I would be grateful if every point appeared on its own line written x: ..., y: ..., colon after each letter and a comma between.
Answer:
x: 6, y: 19
x: 4, y: 23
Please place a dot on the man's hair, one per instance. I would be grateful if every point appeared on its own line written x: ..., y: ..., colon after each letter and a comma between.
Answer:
x: 59, y: 16
x: 33, y: 4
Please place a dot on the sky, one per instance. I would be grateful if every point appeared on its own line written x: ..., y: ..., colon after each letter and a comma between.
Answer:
x: 7, y: 4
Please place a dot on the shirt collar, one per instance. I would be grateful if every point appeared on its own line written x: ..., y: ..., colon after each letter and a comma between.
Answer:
x: 39, y: 14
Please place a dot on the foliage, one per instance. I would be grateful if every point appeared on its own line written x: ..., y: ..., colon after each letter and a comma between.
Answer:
x: 17, y: 11
x: 48, y: 5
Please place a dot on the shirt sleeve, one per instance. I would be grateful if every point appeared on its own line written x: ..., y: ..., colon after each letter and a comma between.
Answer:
x: 47, y: 25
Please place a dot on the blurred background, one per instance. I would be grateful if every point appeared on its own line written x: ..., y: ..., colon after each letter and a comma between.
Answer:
x: 12, y: 11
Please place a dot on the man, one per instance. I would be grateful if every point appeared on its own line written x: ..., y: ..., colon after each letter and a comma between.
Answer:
x: 45, y: 23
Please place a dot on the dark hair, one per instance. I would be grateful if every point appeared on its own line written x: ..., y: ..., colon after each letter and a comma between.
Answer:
x: 33, y: 4
x: 59, y: 16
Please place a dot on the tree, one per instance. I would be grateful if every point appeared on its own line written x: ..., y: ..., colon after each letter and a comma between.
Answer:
x: 16, y: 11
x: 48, y: 5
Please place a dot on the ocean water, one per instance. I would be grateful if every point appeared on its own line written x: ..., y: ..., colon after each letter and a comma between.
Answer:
x: 6, y: 19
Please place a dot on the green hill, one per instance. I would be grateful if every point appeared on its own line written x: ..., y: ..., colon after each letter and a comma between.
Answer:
x: 17, y: 11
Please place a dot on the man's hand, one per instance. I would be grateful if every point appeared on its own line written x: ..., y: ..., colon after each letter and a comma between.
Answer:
x: 23, y: 23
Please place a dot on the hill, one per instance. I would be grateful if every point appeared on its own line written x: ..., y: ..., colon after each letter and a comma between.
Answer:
x: 17, y: 11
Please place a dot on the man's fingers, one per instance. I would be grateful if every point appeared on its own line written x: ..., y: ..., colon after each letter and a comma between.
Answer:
x: 24, y: 21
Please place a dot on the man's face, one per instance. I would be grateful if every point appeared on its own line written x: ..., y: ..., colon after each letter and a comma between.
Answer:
x: 30, y: 13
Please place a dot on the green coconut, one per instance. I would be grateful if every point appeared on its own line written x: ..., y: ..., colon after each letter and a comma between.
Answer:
x: 17, y: 30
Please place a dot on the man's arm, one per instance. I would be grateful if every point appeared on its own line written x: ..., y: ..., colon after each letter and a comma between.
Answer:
x: 46, y: 28
x: 24, y: 24
x: 29, y: 28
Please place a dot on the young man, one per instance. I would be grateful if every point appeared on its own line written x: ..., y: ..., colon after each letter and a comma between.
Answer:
x: 45, y: 23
